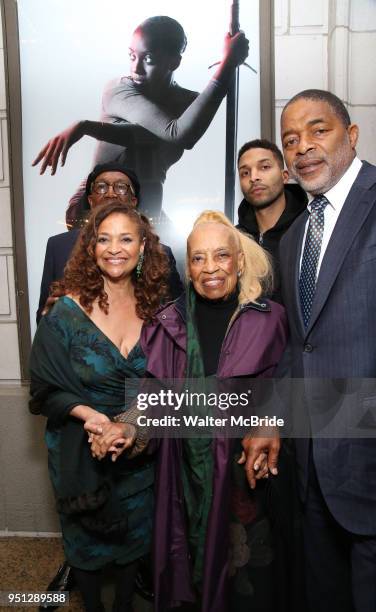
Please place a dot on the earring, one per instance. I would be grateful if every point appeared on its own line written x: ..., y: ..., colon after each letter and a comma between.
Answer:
x: 139, y: 265
x: 239, y: 273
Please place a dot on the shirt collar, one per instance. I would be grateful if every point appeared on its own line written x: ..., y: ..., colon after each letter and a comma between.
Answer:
x: 337, y: 195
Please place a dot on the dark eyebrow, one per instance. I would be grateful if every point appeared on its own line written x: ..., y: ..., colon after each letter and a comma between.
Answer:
x: 107, y: 234
x: 310, y: 123
x: 259, y: 161
x: 314, y: 121
x: 287, y: 133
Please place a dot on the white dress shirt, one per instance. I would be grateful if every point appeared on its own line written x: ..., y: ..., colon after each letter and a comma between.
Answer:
x: 336, y: 197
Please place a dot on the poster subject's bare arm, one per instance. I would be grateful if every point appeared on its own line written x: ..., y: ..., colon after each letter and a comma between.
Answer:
x: 58, y: 146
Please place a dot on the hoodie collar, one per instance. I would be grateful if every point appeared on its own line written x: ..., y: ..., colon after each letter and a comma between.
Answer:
x: 296, y: 202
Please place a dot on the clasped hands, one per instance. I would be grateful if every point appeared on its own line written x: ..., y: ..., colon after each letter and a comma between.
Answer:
x: 259, y: 455
x: 109, y: 437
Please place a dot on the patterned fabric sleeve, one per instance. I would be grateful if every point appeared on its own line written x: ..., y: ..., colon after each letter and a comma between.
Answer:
x: 142, y: 433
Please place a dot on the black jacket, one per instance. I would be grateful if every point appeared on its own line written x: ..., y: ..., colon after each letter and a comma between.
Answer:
x: 296, y: 203
x: 58, y: 251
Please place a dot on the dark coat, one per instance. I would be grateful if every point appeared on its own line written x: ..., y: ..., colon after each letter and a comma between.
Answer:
x: 296, y: 203
x: 339, y: 343
x: 252, y: 347
x: 58, y: 251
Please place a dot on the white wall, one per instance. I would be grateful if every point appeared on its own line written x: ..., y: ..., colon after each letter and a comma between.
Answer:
x: 329, y: 44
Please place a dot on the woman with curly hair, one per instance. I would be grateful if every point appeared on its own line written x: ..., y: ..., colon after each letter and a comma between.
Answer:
x: 85, y: 351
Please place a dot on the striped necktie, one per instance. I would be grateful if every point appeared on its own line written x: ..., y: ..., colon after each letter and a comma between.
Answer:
x: 311, y: 254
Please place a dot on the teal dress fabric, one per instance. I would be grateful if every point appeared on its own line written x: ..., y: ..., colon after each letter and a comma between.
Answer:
x: 103, y: 371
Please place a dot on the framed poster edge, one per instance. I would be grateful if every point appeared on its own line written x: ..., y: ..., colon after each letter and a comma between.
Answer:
x: 14, y: 124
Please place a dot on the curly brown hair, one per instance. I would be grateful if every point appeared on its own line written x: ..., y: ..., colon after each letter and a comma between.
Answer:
x: 83, y: 278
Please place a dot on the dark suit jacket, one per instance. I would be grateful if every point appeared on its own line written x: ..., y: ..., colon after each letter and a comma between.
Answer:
x: 58, y: 250
x: 340, y: 343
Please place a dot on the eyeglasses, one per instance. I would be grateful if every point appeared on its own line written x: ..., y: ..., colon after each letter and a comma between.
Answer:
x: 120, y: 188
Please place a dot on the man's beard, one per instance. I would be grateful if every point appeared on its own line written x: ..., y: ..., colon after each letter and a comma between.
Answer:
x: 330, y: 174
x: 267, y: 203
x: 314, y: 186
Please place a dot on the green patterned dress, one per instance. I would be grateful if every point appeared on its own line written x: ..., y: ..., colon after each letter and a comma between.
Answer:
x: 97, y: 369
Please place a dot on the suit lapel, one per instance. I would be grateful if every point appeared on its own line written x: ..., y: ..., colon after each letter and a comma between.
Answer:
x: 352, y: 216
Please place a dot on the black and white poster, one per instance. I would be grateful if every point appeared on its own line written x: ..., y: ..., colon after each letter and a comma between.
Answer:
x: 77, y: 59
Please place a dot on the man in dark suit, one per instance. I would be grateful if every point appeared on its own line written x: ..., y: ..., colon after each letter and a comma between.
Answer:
x: 107, y: 182
x: 328, y: 259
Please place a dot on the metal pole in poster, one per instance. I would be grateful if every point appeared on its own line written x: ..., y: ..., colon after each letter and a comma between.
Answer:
x: 232, y: 122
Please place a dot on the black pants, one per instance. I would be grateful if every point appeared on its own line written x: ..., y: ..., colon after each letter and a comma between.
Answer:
x: 340, y: 566
x: 89, y: 585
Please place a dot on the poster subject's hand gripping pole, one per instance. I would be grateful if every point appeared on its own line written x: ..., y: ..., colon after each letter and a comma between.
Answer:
x: 232, y: 120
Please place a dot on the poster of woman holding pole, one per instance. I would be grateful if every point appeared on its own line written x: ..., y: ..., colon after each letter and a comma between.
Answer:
x: 164, y: 116
x: 148, y: 120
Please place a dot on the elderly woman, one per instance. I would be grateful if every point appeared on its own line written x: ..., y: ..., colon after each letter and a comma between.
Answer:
x: 209, y: 523
x: 84, y: 350
x: 148, y: 120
